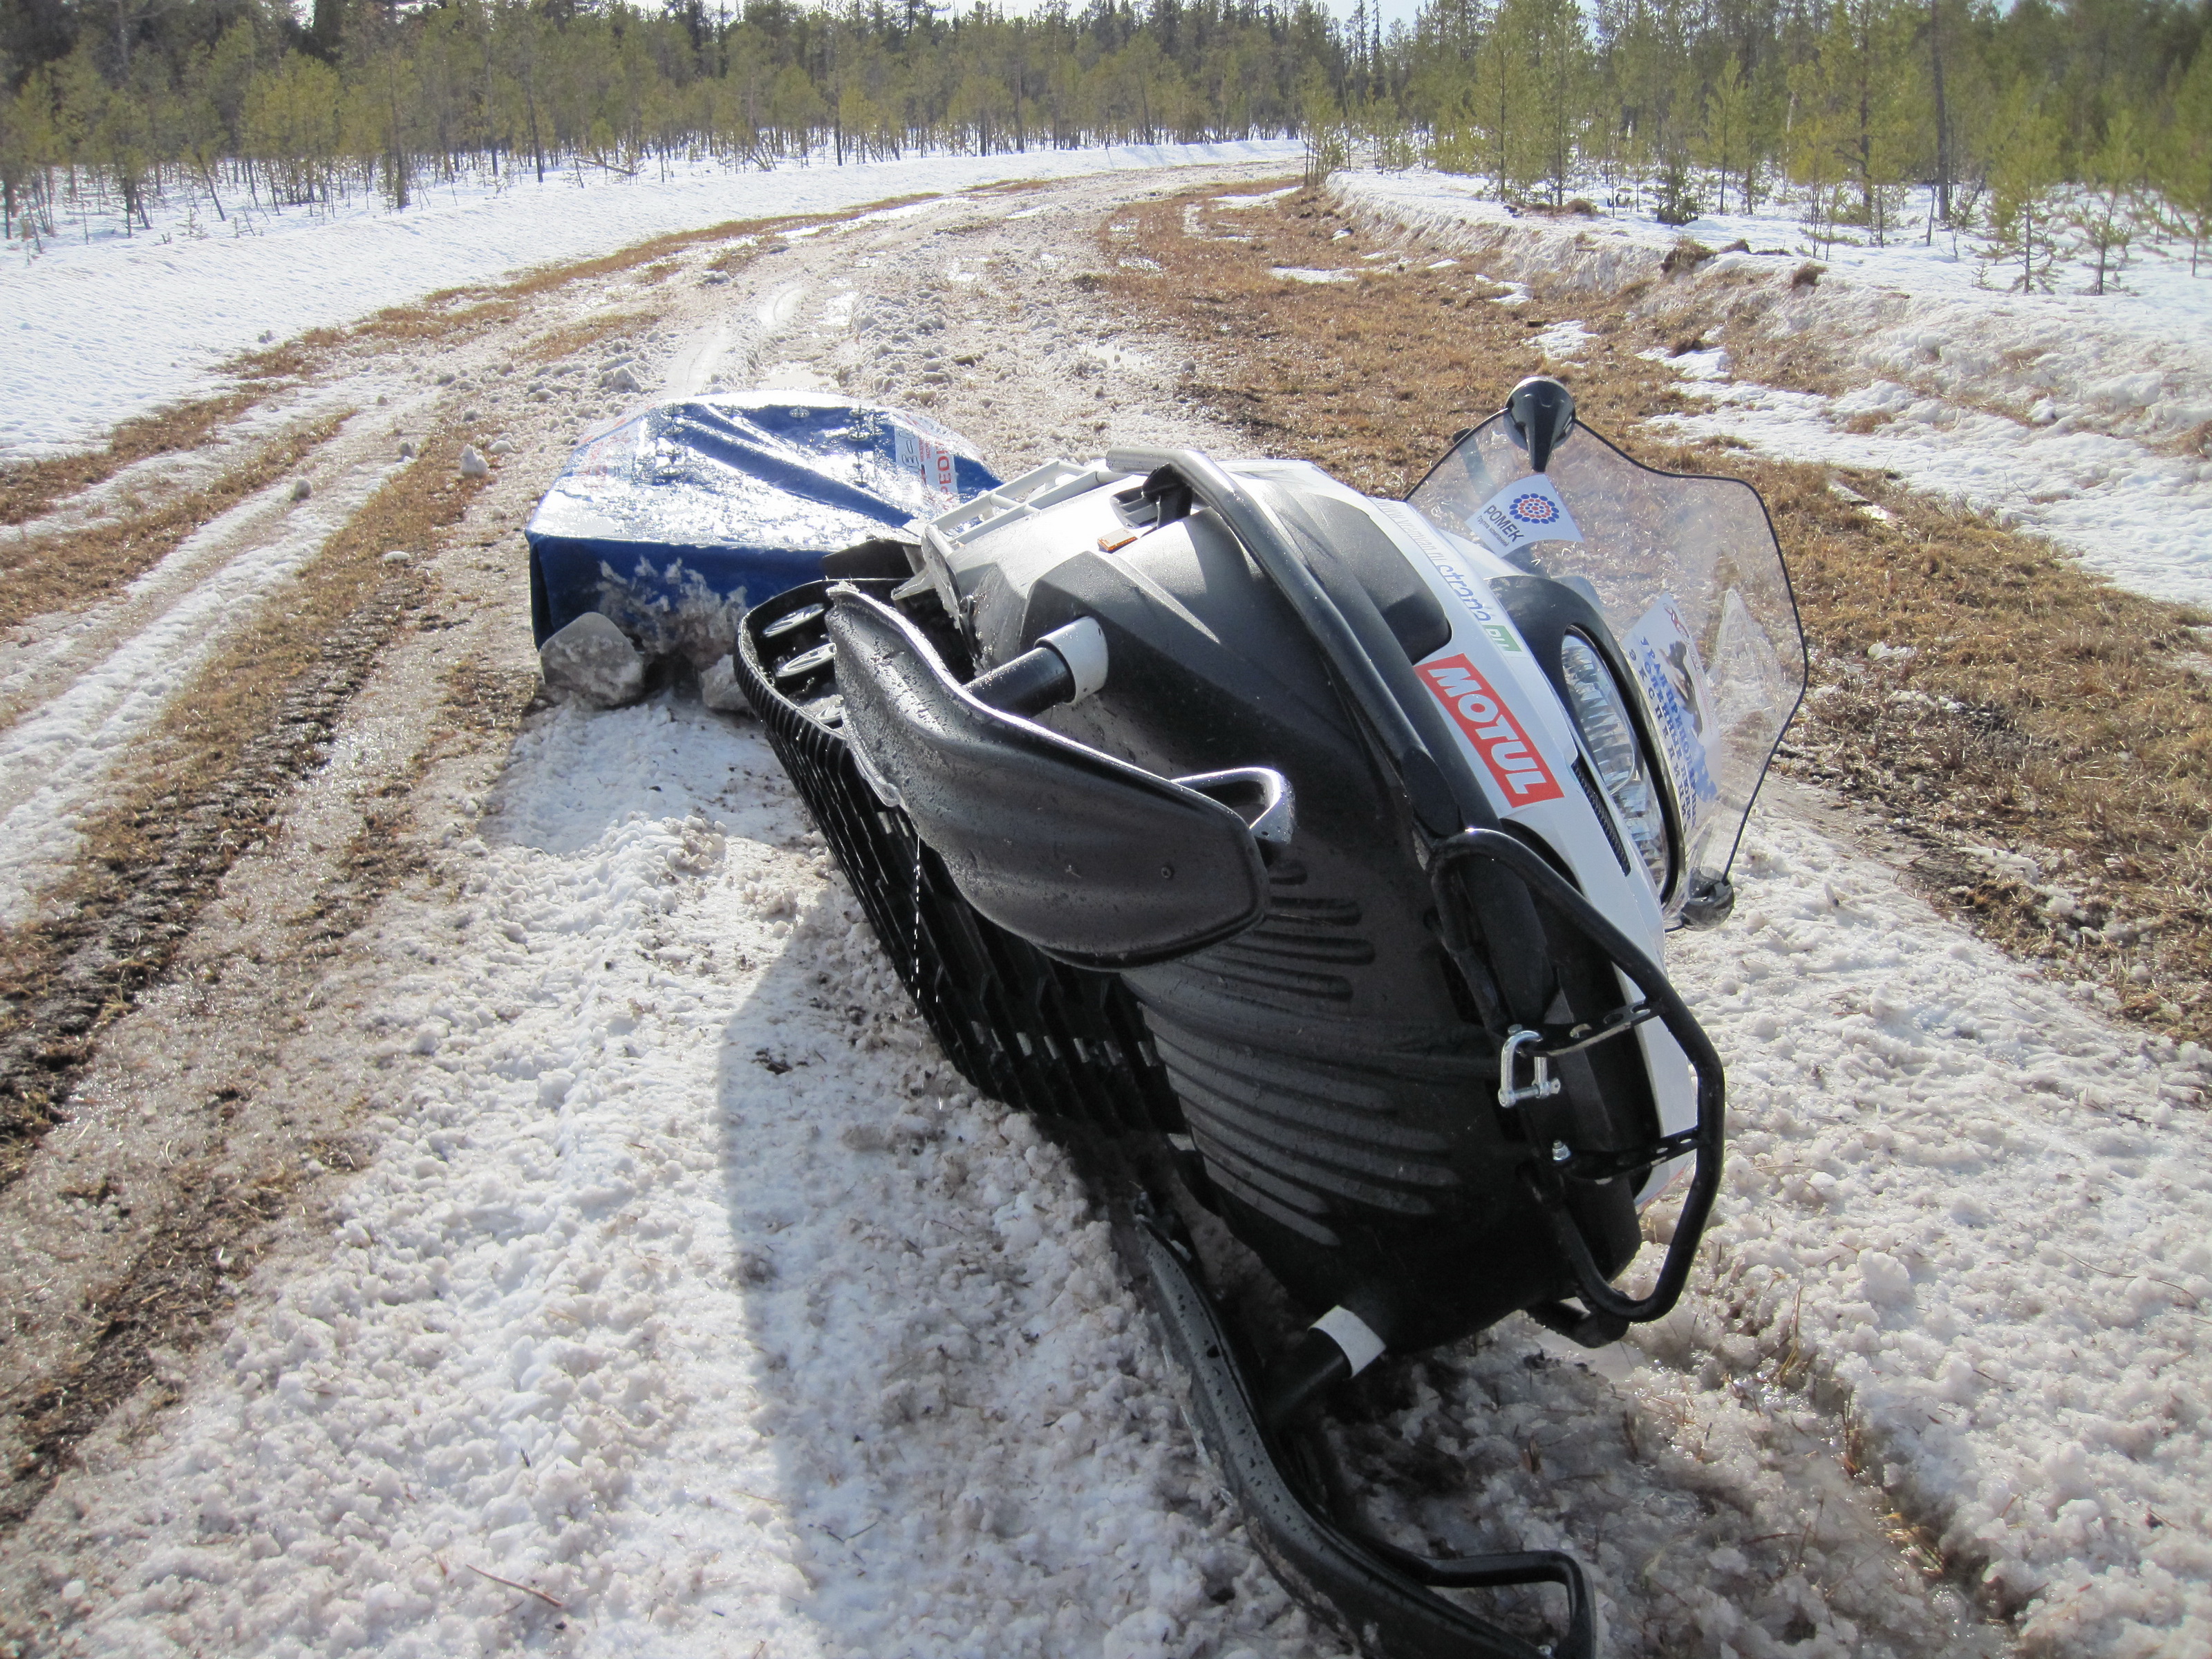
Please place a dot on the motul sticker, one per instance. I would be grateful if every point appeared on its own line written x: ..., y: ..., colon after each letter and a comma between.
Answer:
x: 1516, y: 764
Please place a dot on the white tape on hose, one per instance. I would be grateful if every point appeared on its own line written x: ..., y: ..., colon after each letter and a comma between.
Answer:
x: 1350, y: 1333
x: 1081, y: 646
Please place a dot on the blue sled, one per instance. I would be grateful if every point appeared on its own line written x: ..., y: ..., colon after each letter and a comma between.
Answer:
x: 673, y: 523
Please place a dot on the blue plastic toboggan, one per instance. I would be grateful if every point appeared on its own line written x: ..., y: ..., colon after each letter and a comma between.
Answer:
x: 677, y: 520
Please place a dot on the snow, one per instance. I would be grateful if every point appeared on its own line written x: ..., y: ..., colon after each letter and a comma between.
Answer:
x: 690, y: 1288
x: 196, y: 296
x: 2067, y: 415
x: 1562, y: 341
x: 1983, y: 1212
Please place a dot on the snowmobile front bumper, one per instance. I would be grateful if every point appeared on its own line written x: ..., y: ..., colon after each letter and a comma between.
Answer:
x: 1386, y: 1597
x: 1609, y: 1311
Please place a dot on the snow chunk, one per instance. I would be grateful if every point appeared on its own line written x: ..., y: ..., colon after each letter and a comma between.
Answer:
x: 593, y: 659
x: 1564, y: 341
x: 1888, y: 1282
x: 719, y: 689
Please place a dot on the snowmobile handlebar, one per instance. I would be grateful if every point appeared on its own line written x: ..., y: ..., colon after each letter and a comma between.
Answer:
x: 1549, y: 1175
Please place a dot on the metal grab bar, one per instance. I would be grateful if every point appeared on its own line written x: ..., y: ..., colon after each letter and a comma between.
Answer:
x: 1549, y: 1179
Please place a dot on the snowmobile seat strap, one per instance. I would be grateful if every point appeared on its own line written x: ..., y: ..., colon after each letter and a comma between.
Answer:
x: 1095, y: 861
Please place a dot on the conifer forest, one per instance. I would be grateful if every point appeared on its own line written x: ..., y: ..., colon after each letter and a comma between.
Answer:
x: 2040, y: 131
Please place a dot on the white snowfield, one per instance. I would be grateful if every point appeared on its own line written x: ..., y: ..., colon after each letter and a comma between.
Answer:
x: 194, y: 292
x: 2073, y: 416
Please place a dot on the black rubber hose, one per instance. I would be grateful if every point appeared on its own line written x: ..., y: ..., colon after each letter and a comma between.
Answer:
x: 1036, y: 680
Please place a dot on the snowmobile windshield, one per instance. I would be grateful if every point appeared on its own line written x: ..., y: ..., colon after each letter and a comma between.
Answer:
x: 1686, y: 573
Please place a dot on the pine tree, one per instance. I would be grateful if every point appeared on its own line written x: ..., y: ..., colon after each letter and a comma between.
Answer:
x: 1815, y: 155
x: 30, y: 149
x: 1866, y: 53
x: 1725, y: 139
x: 2182, y: 159
x: 2024, y: 171
x: 2109, y: 211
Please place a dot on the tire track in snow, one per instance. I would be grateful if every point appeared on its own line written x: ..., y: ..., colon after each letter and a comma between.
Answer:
x: 57, y: 761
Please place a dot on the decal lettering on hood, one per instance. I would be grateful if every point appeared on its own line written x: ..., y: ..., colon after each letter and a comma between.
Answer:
x: 1516, y: 764
x: 930, y: 462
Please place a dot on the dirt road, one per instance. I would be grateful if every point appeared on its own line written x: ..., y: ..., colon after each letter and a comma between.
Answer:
x: 508, y: 1204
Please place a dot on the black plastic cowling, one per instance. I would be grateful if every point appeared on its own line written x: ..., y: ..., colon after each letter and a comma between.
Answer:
x: 1091, y: 859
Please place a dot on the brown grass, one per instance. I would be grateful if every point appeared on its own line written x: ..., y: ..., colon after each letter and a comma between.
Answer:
x: 428, y: 320
x: 30, y: 488
x: 72, y: 567
x: 572, y: 337
x: 2041, y: 710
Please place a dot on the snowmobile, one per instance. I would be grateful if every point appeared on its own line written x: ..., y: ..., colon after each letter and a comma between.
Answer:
x: 1310, y: 856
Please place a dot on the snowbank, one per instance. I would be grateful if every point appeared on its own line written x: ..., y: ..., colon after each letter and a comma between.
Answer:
x: 1983, y: 1210
x: 114, y: 327
x: 2077, y: 417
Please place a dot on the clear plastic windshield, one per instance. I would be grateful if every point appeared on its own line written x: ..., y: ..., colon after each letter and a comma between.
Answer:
x: 1686, y: 573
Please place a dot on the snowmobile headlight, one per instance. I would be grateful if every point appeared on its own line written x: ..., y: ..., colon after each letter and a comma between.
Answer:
x: 1601, y: 713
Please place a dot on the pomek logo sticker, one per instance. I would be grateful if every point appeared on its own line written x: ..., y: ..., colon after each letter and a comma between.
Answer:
x: 1514, y: 763
x: 1529, y: 511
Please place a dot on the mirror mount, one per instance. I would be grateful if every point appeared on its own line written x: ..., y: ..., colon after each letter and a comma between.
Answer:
x: 1540, y: 414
